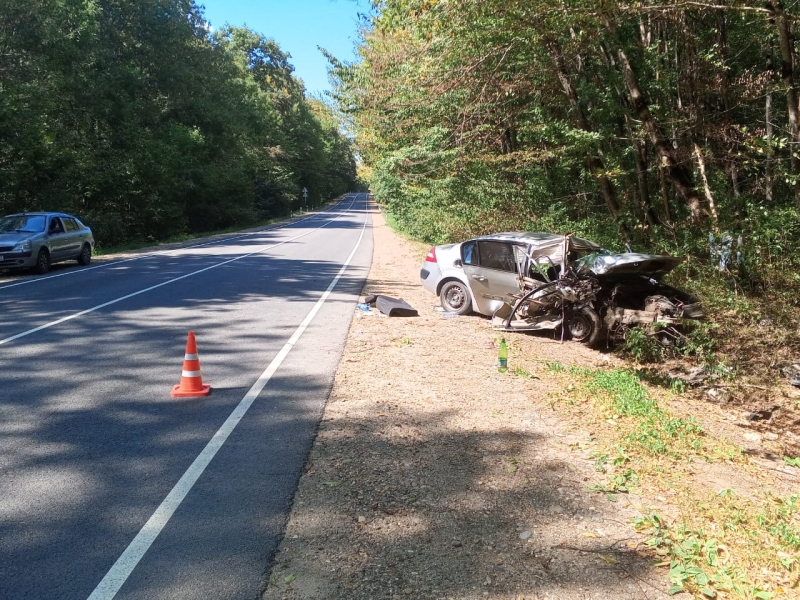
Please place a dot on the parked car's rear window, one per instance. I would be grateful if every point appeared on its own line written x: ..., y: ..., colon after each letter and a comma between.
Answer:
x: 70, y: 224
x: 27, y: 223
x: 469, y: 253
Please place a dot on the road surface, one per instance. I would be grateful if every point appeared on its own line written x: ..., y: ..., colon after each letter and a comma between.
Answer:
x: 110, y: 488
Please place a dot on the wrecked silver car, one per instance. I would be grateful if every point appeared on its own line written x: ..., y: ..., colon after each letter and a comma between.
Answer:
x: 528, y: 281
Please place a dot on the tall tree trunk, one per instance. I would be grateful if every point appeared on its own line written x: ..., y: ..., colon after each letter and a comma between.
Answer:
x: 768, y: 126
x: 680, y: 177
x: 662, y: 184
x: 640, y: 157
x: 727, y: 105
x: 735, y: 179
x: 596, y: 165
x: 768, y: 165
x: 709, y: 196
x: 778, y: 15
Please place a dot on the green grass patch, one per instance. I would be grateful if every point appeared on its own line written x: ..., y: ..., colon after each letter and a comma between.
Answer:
x: 524, y: 373
x: 652, y: 429
x: 721, y: 545
x: 554, y: 366
x: 696, y: 340
x: 695, y: 563
x: 701, y: 562
x: 777, y: 518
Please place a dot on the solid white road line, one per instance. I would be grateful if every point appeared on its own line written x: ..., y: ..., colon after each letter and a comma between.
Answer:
x: 162, y: 284
x: 126, y: 563
x: 164, y: 252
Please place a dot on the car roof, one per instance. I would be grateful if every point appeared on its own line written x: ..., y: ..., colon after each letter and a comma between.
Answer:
x: 539, y: 239
x: 39, y: 214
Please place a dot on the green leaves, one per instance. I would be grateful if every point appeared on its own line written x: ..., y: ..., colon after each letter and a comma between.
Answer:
x: 479, y: 116
x: 130, y: 115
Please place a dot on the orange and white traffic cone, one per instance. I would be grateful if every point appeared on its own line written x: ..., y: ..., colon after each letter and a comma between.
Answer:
x: 191, y: 385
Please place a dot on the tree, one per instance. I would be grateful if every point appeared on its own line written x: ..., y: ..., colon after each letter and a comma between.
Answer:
x: 129, y: 114
x: 476, y: 115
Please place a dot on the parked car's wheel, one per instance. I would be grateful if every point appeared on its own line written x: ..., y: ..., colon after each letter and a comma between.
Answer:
x: 454, y: 297
x: 85, y: 257
x: 43, y: 262
x: 584, y: 325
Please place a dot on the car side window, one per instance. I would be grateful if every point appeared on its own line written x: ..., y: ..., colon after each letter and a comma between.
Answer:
x: 469, y: 253
x: 56, y: 226
x: 497, y: 255
x: 70, y: 224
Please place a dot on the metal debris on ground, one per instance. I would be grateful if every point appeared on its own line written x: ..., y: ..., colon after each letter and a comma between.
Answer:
x: 391, y: 307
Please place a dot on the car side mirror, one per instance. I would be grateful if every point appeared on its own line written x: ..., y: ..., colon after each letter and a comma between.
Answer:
x: 458, y: 263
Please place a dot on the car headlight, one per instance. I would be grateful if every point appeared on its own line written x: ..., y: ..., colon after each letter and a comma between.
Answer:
x: 23, y: 246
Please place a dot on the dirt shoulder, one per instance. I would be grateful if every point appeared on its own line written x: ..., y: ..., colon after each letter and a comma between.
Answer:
x: 435, y: 476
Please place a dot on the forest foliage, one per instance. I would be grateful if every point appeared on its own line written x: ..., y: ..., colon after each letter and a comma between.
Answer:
x: 657, y: 123
x: 672, y: 126
x: 136, y: 117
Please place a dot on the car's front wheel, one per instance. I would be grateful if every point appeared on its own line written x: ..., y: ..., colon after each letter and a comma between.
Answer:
x: 454, y: 297
x: 43, y: 262
x: 85, y: 257
x: 584, y: 325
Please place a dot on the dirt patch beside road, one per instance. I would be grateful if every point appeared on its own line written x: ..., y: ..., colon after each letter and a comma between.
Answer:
x: 435, y: 476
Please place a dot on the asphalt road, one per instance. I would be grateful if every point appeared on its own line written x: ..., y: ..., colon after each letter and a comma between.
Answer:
x: 111, y: 488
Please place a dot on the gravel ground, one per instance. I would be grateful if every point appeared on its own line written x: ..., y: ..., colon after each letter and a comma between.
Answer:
x: 435, y: 476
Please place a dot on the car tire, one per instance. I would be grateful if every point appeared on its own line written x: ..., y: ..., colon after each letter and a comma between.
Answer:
x: 85, y: 257
x: 584, y: 325
x: 43, y: 262
x: 454, y: 297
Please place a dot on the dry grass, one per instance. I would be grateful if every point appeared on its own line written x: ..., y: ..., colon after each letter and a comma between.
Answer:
x: 724, y: 525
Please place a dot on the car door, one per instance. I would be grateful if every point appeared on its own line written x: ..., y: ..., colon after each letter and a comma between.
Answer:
x: 57, y: 239
x: 73, y: 240
x: 491, y: 269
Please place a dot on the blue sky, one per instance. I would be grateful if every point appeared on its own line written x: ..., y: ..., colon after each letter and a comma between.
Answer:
x: 299, y: 26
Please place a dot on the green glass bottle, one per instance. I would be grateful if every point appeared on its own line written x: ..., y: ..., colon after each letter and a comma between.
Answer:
x: 502, y: 356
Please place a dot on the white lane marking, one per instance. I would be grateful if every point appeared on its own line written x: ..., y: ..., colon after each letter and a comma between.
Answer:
x: 162, y: 284
x: 165, y: 252
x: 126, y: 563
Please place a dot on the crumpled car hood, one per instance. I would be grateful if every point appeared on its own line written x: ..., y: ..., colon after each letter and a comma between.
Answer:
x: 628, y: 263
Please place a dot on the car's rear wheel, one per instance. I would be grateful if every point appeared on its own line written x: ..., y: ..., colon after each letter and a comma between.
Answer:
x: 454, y: 297
x: 85, y: 257
x: 43, y: 262
x: 584, y: 325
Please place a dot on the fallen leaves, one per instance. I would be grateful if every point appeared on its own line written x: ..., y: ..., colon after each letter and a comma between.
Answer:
x: 608, y: 559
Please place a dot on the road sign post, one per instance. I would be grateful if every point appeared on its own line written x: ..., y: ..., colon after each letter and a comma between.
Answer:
x: 305, y: 198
